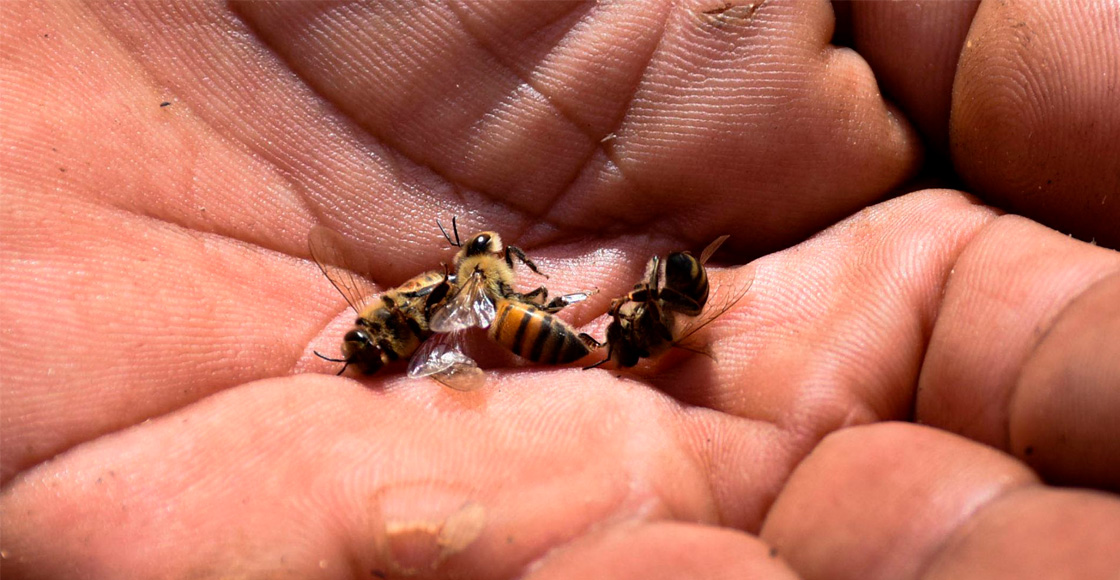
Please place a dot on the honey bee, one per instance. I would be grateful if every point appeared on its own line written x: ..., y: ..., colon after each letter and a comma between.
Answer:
x: 483, y: 275
x: 643, y: 320
x: 390, y: 326
x: 483, y: 296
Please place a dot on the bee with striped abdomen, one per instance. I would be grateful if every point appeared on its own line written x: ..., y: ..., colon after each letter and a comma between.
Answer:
x: 483, y: 275
x: 482, y: 296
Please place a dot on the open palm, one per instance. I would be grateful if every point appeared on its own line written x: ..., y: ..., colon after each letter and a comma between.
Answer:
x: 164, y: 415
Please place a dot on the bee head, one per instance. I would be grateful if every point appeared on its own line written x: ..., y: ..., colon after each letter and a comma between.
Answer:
x: 359, y: 349
x: 484, y: 243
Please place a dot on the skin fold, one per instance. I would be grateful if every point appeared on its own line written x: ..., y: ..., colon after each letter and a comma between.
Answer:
x: 920, y: 382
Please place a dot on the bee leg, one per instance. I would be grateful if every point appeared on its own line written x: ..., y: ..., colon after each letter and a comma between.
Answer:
x: 560, y: 302
x: 537, y: 296
x: 594, y: 344
x: 598, y: 364
x: 438, y: 294
x: 589, y: 341
x: 512, y: 251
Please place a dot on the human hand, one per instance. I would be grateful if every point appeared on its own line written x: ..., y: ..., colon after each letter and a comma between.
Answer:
x: 164, y: 415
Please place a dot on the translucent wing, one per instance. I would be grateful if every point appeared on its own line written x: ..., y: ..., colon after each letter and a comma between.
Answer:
x: 574, y: 297
x: 328, y: 251
x: 469, y: 306
x: 711, y: 249
x: 716, y: 308
x: 566, y: 300
x: 442, y: 358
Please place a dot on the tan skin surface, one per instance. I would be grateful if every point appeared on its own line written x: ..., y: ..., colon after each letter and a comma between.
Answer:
x: 164, y: 416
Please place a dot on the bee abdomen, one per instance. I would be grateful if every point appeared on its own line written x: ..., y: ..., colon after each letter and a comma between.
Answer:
x: 421, y: 283
x: 686, y: 275
x: 536, y: 335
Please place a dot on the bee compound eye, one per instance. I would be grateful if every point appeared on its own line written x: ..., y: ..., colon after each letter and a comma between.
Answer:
x: 480, y: 243
x: 357, y: 336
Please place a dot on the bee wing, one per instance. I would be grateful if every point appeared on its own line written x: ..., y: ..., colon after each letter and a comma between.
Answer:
x: 574, y: 297
x: 469, y: 306
x: 716, y: 308
x: 711, y: 249
x: 328, y: 250
x: 442, y: 358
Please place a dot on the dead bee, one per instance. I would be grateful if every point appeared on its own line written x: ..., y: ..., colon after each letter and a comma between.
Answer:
x: 483, y: 275
x: 643, y: 321
x: 482, y: 295
x: 390, y: 326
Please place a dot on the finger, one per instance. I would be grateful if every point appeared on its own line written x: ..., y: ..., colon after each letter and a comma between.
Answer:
x: 114, y: 146
x: 1005, y: 294
x: 102, y: 332
x: 1067, y: 398
x: 144, y: 246
x: 1034, y: 122
x: 913, y: 48
x: 243, y: 149
x: 320, y: 477
x: 903, y: 501
x: 833, y: 331
x: 607, y: 112
x: 662, y: 550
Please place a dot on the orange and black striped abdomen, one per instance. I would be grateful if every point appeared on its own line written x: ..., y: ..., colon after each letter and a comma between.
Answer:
x: 685, y: 274
x: 534, y: 334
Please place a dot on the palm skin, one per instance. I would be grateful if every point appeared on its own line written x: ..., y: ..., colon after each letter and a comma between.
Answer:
x: 164, y: 415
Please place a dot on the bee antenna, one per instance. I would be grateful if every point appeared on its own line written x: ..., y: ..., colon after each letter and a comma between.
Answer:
x: 455, y: 228
x: 336, y: 360
x: 325, y: 357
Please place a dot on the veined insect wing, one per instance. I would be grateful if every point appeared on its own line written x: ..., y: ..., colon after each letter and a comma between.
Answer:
x: 468, y: 306
x: 712, y: 247
x: 653, y: 275
x: 442, y: 358
x: 717, y: 306
x: 330, y: 252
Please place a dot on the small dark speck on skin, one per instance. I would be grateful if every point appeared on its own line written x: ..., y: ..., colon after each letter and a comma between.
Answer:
x: 62, y: 169
x: 46, y: 36
x: 1028, y: 451
x: 773, y: 552
x: 165, y: 104
x: 377, y: 573
x: 509, y: 539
